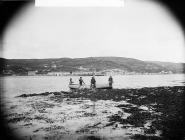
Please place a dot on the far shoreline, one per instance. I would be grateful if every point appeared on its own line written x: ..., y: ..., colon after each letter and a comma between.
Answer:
x: 89, y: 75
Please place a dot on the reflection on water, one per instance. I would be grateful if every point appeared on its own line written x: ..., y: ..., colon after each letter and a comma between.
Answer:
x: 16, y: 85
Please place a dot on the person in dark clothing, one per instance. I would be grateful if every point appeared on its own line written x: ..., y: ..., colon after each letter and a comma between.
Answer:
x: 93, y: 82
x: 110, y: 81
x: 81, y: 81
x: 71, y: 81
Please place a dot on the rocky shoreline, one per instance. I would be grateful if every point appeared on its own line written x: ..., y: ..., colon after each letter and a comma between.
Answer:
x: 154, y: 113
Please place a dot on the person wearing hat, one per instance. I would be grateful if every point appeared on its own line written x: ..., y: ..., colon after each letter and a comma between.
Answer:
x: 81, y: 81
x: 93, y: 82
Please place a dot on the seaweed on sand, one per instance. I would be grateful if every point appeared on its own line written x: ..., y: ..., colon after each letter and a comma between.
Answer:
x: 167, y: 116
x: 144, y: 137
x: 165, y: 109
x: 136, y: 119
x: 42, y: 94
x: 90, y: 137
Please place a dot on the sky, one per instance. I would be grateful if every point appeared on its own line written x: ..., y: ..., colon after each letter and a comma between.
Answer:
x: 141, y: 29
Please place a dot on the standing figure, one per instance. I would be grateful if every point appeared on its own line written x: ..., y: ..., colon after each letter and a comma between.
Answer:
x: 71, y: 81
x: 93, y: 82
x: 110, y: 81
x: 81, y: 81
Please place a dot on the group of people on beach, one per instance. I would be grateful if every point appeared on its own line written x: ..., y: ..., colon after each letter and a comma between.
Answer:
x: 93, y: 82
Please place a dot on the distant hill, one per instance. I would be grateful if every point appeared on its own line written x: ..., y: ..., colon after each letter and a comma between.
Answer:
x: 98, y: 63
x: 174, y: 67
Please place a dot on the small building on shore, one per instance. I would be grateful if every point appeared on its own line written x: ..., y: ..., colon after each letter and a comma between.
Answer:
x: 58, y: 73
x: 82, y: 73
x: 113, y: 72
x: 32, y: 73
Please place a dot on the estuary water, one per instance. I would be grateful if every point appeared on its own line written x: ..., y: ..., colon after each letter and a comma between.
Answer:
x: 12, y: 86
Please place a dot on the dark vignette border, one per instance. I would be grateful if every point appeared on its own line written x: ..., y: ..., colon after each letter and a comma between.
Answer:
x: 8, y: 10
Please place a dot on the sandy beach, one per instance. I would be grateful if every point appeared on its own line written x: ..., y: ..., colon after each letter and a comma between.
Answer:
x: 146, y: 113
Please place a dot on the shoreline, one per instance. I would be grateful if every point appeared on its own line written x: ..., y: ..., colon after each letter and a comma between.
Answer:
x: 37, y: 75
x: 144, y: 113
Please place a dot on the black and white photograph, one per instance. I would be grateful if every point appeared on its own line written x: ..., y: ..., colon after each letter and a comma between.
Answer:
x: 92, y: 70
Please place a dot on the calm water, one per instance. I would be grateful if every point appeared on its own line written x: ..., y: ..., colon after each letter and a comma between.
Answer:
x: 16, y: 85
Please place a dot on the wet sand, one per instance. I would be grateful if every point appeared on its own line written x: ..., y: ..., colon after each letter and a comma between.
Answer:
x: 146, y: 113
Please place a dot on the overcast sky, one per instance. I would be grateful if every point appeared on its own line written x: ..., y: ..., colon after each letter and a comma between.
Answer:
x: 141, y: 30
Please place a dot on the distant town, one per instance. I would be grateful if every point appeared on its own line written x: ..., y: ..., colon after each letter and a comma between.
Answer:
x: 98, y: 66
x: 81, y: 72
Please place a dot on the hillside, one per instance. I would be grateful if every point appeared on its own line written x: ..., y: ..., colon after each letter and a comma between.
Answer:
x: 98, y: 63
x: 175, y: 67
